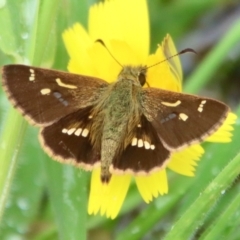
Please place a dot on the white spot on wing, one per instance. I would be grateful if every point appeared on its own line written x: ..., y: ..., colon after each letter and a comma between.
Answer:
x: 152, y: 146
x: 147, y: 145
x: 85, y: 132
x: 71, y: 131
x: 45, y: 91
x: 134, y: 141
x: 183, y: 116
x: 32, y: 74
x: 201, y: 105
x: 168, y: 104
x: 140, y: 143
x: 64, y: 130
x: 78, y: 132
x: 61, y: 84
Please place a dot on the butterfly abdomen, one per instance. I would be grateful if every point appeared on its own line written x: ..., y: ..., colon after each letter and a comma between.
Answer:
x: 120, y: 106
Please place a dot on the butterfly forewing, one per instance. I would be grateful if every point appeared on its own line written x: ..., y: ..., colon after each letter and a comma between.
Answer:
x: 44, y: 95
x: 182, y: 119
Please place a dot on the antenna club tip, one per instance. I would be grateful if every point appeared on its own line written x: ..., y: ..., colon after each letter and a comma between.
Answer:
x: 187, y: 50
x: 100, y: 41
x: 104, y: 45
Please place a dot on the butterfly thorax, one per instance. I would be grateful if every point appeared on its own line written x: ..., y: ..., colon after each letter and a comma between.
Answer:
x: 136, y: 74
x: 117, y: 113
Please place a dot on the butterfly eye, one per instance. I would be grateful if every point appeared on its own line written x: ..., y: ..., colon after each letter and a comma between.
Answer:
x: 142, y: 78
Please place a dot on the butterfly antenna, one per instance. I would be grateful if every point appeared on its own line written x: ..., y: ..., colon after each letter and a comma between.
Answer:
x: 177, y: 54
x: 103, y: 44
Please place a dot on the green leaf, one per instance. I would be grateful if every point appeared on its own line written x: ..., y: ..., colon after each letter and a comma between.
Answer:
x: 23, y: 204
x: 196, y: 213
x: 68, y: 190
x: 14, y: 126
x: 8, y: 37
x: 10, y: 140
x: 227, y: 217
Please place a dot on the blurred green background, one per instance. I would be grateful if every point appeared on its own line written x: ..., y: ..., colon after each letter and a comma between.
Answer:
x: 44, y: 200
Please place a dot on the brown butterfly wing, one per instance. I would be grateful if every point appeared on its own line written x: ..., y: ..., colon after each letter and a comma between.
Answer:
x: 44, y: 96
x: 182, y: 119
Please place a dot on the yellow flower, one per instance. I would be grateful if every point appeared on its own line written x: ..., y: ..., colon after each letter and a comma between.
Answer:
x: 123, y: 26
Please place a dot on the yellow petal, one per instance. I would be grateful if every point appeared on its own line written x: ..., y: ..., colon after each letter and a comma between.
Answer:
x: 152, y: 185
x: 161, y: 75
x: 184, y: 162
x: 169, y: 50
x: 92, y: 59
x: 104, y: 65
x: 102, y: 62
x: 121, y: 20
x: 107, y: 198
x: 224, y: 133
x: 77, y: 42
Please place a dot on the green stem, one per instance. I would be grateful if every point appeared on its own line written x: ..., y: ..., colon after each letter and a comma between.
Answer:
x: 222, y: 221
x: 11, y: 140
x: 14, y: 129
x: 44, y: 22
x: 197, y: 212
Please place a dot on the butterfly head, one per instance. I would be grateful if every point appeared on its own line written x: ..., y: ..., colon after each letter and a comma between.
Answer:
x: 136, y: 74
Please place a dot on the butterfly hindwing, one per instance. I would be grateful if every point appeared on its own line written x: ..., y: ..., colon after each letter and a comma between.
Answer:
x: 182, y: 119
x: 68, y: 140
x: 44, y: 95
x: 145, y: 153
